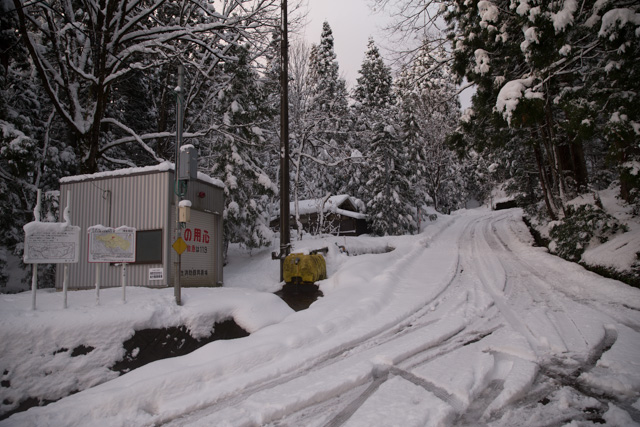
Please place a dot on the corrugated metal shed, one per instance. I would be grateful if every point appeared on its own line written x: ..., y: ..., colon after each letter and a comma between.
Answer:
x: 144, y: 198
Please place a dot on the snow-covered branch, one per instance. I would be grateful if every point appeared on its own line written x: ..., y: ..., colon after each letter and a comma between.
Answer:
x: 134, y: 136
x: 82, y: 52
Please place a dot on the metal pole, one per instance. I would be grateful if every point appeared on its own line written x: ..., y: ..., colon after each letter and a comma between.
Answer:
x: 34, y: 267
x: 98, y: 284
x: 124, y: 282
x: 34, y: 284
x: 285, y: 238
x: 65, y: 279
x: 179, y: 113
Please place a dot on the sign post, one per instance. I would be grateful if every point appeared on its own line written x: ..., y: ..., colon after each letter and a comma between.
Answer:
x: 51, y: 243
x: 65, y: 281
x: 113, y: 245
x: 179, y: 246
x: 34, y: 266
x: 97, y: 284
x: 124, y: 282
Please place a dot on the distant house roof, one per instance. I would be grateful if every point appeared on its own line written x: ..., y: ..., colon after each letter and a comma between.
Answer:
x: 342, y: 204
x: 160, y: 167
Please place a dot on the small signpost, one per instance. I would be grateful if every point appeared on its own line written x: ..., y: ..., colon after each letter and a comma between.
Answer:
x: 51, y: 243
x: 179, y: 246
x: 112, y: 245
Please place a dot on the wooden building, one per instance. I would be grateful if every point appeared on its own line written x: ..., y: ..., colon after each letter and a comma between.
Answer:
x: 339, y: 215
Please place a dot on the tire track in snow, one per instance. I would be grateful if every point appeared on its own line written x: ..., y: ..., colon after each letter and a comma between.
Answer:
x: 472, y: 333
x: 522, y: 275
x: 465, y: 337
x: 493, y: 277
x: 557, y: 298
x: 411, y: 324
x: 613, y: 309
x: 572, y: 378
x: 463, y: 295
x: 493, y: 396
x: 530, y: 281
x: 341, y: 417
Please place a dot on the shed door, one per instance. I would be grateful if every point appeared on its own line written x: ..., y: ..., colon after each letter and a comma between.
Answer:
x: 198, y: 261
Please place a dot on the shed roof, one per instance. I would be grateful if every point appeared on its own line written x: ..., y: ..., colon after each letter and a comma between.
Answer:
x: 160, y: 167
x: 334, y: 204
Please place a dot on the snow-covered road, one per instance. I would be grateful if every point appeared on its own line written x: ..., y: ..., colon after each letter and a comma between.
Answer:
x: 465, y: 324
x: 507, y: 334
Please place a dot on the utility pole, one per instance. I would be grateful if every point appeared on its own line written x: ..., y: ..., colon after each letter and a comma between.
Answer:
x: 285, y: 237
x: 177, y: 184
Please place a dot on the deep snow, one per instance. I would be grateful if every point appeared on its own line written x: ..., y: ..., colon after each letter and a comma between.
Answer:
x: 464, y: 324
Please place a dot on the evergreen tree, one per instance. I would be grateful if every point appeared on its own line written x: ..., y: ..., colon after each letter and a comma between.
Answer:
x: 328, y: 91
x: 389, y: 194
x: 374, y: 86
x: 236, y: 153
x: 426, y: 96
x: 555, y: 76
x: 618, y: 78
x: 373, y: 97
x: 324, y: 145
x: 33, y: 149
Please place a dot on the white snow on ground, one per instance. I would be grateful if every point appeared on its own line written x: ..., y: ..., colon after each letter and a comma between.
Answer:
x: 620, y: 251
x: 464, y: 324
x: 36, y: 346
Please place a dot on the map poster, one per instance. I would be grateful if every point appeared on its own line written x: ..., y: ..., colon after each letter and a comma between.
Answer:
x: 51, y: 243
x: 108, y: 244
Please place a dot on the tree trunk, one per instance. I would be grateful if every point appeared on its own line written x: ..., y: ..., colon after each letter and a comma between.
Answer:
x: 581, y: 175
x: 548, y: 197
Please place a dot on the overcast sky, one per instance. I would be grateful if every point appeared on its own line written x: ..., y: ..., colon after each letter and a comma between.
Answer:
x: 352, y: 23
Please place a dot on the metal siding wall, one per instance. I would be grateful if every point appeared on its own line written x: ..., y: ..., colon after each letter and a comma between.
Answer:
x: 137, y: 201
x: 169, y: 236
x: 146, y: 202
x: 212, y: 203
x: 88, y: 200
x: 213, y: 197
x: 209, y: 221
x: 219, y: 248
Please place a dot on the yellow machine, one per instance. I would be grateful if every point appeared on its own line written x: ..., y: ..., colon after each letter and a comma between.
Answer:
x: 304, y: 269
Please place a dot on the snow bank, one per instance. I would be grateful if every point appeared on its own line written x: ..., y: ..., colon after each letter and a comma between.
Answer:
x: 619, y: 252
x: 37, y: 347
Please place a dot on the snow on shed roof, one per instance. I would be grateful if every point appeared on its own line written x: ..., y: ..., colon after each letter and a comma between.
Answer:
x: 311, y: 206
x: 161, y: 167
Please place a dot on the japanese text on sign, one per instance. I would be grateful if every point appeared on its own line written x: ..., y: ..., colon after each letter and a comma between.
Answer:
x: 196, y: 235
